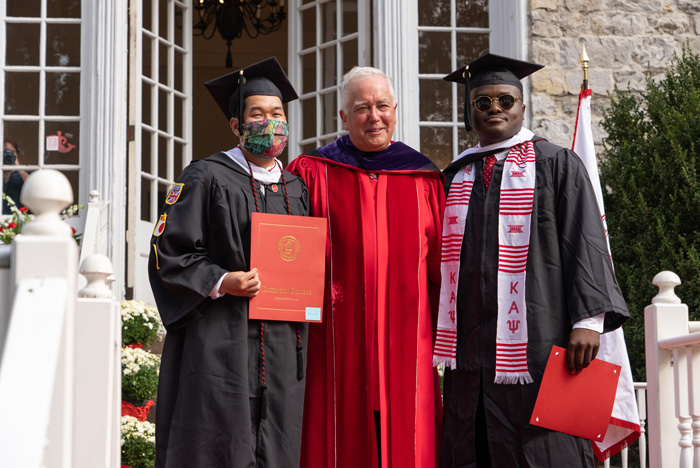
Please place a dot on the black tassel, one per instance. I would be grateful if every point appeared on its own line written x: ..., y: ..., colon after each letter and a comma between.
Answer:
x: 467, y: 102
x: 300, y: 362
x: 263, y: 404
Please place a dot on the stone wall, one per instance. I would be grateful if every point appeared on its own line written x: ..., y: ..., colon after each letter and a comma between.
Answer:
x: 624, y: 39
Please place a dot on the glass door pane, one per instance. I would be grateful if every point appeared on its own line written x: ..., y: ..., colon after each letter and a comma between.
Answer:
x: 328, y: 38
x: 41, y: 87
x: 160, y: 94
x: 451, y: 34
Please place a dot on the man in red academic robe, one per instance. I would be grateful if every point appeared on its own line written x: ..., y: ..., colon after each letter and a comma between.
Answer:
x: 372, y: 395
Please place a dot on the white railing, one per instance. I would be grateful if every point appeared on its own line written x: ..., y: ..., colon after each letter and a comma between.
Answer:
x: 672, y: 346
x: 640, y: 389
x: 60, y: 365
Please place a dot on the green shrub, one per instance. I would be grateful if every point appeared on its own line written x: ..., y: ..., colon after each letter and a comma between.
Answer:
x: 140, y: 323
x: 651, y: 176
x: 140, y: 371
x: 138, y: 443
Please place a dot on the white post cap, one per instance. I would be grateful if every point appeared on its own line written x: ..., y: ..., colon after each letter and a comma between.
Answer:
x: 46, y: 193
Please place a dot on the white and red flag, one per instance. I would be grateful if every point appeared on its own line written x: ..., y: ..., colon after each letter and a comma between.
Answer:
x: 624, y: 426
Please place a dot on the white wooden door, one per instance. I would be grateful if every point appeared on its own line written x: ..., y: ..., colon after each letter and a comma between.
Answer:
x: 160, y: 121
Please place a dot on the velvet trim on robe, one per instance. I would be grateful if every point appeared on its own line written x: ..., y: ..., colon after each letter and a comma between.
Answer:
x: 383, y: 267
x: 208, y: 412
x: 395, y: 157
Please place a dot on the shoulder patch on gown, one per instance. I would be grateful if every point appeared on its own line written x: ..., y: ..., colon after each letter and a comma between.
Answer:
x: 174, y: 193
x: 160, y: 225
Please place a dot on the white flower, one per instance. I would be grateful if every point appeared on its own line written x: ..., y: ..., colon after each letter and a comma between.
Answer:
x: 132, y: 427
x: 133, y: 359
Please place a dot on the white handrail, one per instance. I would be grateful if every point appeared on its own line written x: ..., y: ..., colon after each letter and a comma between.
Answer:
x: 691, y: 339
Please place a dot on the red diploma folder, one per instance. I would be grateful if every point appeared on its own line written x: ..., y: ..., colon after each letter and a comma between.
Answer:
x: 580, y: 405
x: 290, y: 255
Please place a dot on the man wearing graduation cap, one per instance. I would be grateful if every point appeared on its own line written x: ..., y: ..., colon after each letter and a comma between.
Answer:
x: 372, y: 394
x: 231, y: 390
x: 525, y: 266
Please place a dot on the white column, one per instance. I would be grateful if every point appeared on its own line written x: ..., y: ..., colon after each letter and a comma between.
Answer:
x: 105, y: 49
x: 396, y: 54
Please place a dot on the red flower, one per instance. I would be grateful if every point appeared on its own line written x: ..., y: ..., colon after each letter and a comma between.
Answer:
x: 12, y: 225
x: 24, y: 209
x: 138, y: 412
x: 0, y: 228
x: 134, y: 346
x: 73, y: 229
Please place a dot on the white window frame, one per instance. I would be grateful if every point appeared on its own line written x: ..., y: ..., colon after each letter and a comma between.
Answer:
x: 139, y: 231
x: 295, y: 51
x: 43, y: 69
x: 396, y: 52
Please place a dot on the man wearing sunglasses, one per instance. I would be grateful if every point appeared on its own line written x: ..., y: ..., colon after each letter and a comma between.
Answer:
x: 525, y: 266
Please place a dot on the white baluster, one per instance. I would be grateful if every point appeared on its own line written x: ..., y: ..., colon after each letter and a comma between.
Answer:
x: 694, y: 391
x: 642, y: 406
x: 680, y: 380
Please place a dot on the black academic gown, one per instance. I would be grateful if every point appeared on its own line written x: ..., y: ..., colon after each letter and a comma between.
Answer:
x: 209, y: 394
x: 569, y: 278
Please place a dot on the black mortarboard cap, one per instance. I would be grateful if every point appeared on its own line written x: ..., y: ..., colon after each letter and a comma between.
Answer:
x: 487, y: 70
x: 265, y: 78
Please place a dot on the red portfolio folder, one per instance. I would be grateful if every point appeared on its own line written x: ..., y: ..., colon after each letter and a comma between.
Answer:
x: 290, y: 255
x: 581, y: 404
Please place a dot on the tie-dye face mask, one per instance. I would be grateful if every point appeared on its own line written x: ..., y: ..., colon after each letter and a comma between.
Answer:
x: 265, y: 139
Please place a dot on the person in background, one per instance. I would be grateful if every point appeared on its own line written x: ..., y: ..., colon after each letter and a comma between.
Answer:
x: 12, y: 180
x: 373, y: 396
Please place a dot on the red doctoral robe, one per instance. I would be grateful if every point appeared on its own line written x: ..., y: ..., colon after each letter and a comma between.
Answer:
x: 373, y: 351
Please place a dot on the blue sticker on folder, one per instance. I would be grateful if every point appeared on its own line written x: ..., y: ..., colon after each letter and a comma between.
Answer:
x: 313, y: 313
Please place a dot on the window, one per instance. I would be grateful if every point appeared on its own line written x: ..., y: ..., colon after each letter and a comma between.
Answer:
x: 160, y: 114
x: 327, y: 38
x: 165, y: 121
x: 451, y: 34
x: 41, y: 86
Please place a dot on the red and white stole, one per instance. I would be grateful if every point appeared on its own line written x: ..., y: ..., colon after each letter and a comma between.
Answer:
x: 515, y: 213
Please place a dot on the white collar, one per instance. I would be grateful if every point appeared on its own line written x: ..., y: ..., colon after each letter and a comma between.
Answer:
x: 266, y: 176
x: 523, y: 135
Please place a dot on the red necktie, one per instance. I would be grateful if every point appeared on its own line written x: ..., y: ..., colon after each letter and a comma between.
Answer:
x: 489, y: 162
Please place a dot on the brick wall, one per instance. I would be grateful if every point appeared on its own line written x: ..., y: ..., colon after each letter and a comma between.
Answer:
x: 623, y: 38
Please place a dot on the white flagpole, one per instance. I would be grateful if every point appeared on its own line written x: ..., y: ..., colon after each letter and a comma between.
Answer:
x: 624, y: 427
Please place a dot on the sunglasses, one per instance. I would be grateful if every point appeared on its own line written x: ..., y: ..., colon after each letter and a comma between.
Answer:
x: 505, y: 102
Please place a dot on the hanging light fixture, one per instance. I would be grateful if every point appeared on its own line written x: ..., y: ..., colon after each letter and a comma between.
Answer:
x: 232, y: 17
